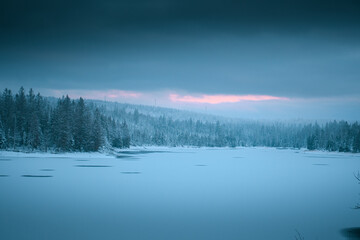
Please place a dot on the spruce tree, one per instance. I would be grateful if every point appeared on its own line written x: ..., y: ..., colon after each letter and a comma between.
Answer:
x: 97, y: 133
x: 356, y: 143
x: 2, y: 136
x: 81, y: 126
x: 21, y: 110
x: 125, y: 135
x: 34, y: 136
x: 63, y: 124
x: 8, y: 116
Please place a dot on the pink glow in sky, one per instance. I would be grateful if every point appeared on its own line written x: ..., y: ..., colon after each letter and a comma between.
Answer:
x: 162, y: 97
x: 249, y: 106
x: 216, y: 99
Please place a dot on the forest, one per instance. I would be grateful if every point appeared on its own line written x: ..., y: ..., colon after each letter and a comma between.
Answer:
x: 29, y: 121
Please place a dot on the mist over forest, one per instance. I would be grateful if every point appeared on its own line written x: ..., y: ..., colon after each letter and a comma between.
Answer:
x: 29, y: 122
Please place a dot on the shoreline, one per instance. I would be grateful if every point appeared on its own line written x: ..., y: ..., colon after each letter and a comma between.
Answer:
x: 111, y: 153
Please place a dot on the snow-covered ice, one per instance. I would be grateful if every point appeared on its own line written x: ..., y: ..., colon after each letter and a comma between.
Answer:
x: 178, y: 193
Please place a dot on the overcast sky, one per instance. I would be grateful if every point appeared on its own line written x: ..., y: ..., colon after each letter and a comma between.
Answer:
x: 302, y: 57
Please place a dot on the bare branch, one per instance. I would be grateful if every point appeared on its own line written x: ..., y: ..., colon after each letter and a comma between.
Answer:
x: 357, y: 176
x: 298, y: 235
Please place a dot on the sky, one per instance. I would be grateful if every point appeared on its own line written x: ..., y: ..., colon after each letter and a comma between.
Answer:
x: 247, y: 59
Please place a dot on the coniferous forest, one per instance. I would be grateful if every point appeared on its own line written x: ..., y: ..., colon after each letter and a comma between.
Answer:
x: 29, y: 121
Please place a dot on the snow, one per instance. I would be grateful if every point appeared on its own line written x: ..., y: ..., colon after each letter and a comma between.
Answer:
x: 178, y: 193
x: 90, y: 155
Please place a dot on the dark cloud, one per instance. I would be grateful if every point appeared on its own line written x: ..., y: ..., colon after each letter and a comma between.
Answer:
x: 81, y: 15
x: 289, y: 48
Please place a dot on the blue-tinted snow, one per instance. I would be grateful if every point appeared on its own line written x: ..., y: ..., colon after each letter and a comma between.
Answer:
x: 244, y: 193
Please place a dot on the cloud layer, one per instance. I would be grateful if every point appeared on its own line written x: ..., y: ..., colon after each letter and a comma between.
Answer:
x: 240, y: 53
x: 216, y: 99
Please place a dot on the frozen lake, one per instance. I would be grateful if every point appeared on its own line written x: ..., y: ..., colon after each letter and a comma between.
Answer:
x: 179, y: 193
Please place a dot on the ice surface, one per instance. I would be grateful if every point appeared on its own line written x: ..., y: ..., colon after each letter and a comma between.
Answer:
x: 179, y: 193
x: 28, y: 175
x: 92, y: 166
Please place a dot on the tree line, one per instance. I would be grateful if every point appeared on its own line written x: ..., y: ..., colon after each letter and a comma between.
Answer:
x: 34, y: 122
x: 145, y: 129
x: 29, y: 121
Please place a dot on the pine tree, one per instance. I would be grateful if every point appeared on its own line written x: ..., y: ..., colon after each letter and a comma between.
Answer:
x: 81, y: 125
x: 97, y: 133
x: 2, y: 136
x: 62, y: 124
x: 356, y: 143
x: 42, y: 111
x: 29, y: 113
x: 136, y: 116
x: 34, y: 137
x: 115, y: 135
x: 21, y: 109
x: 8, y: 116
x: 219, y: 136
x: 125, y: 135
x: 310, y: 142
